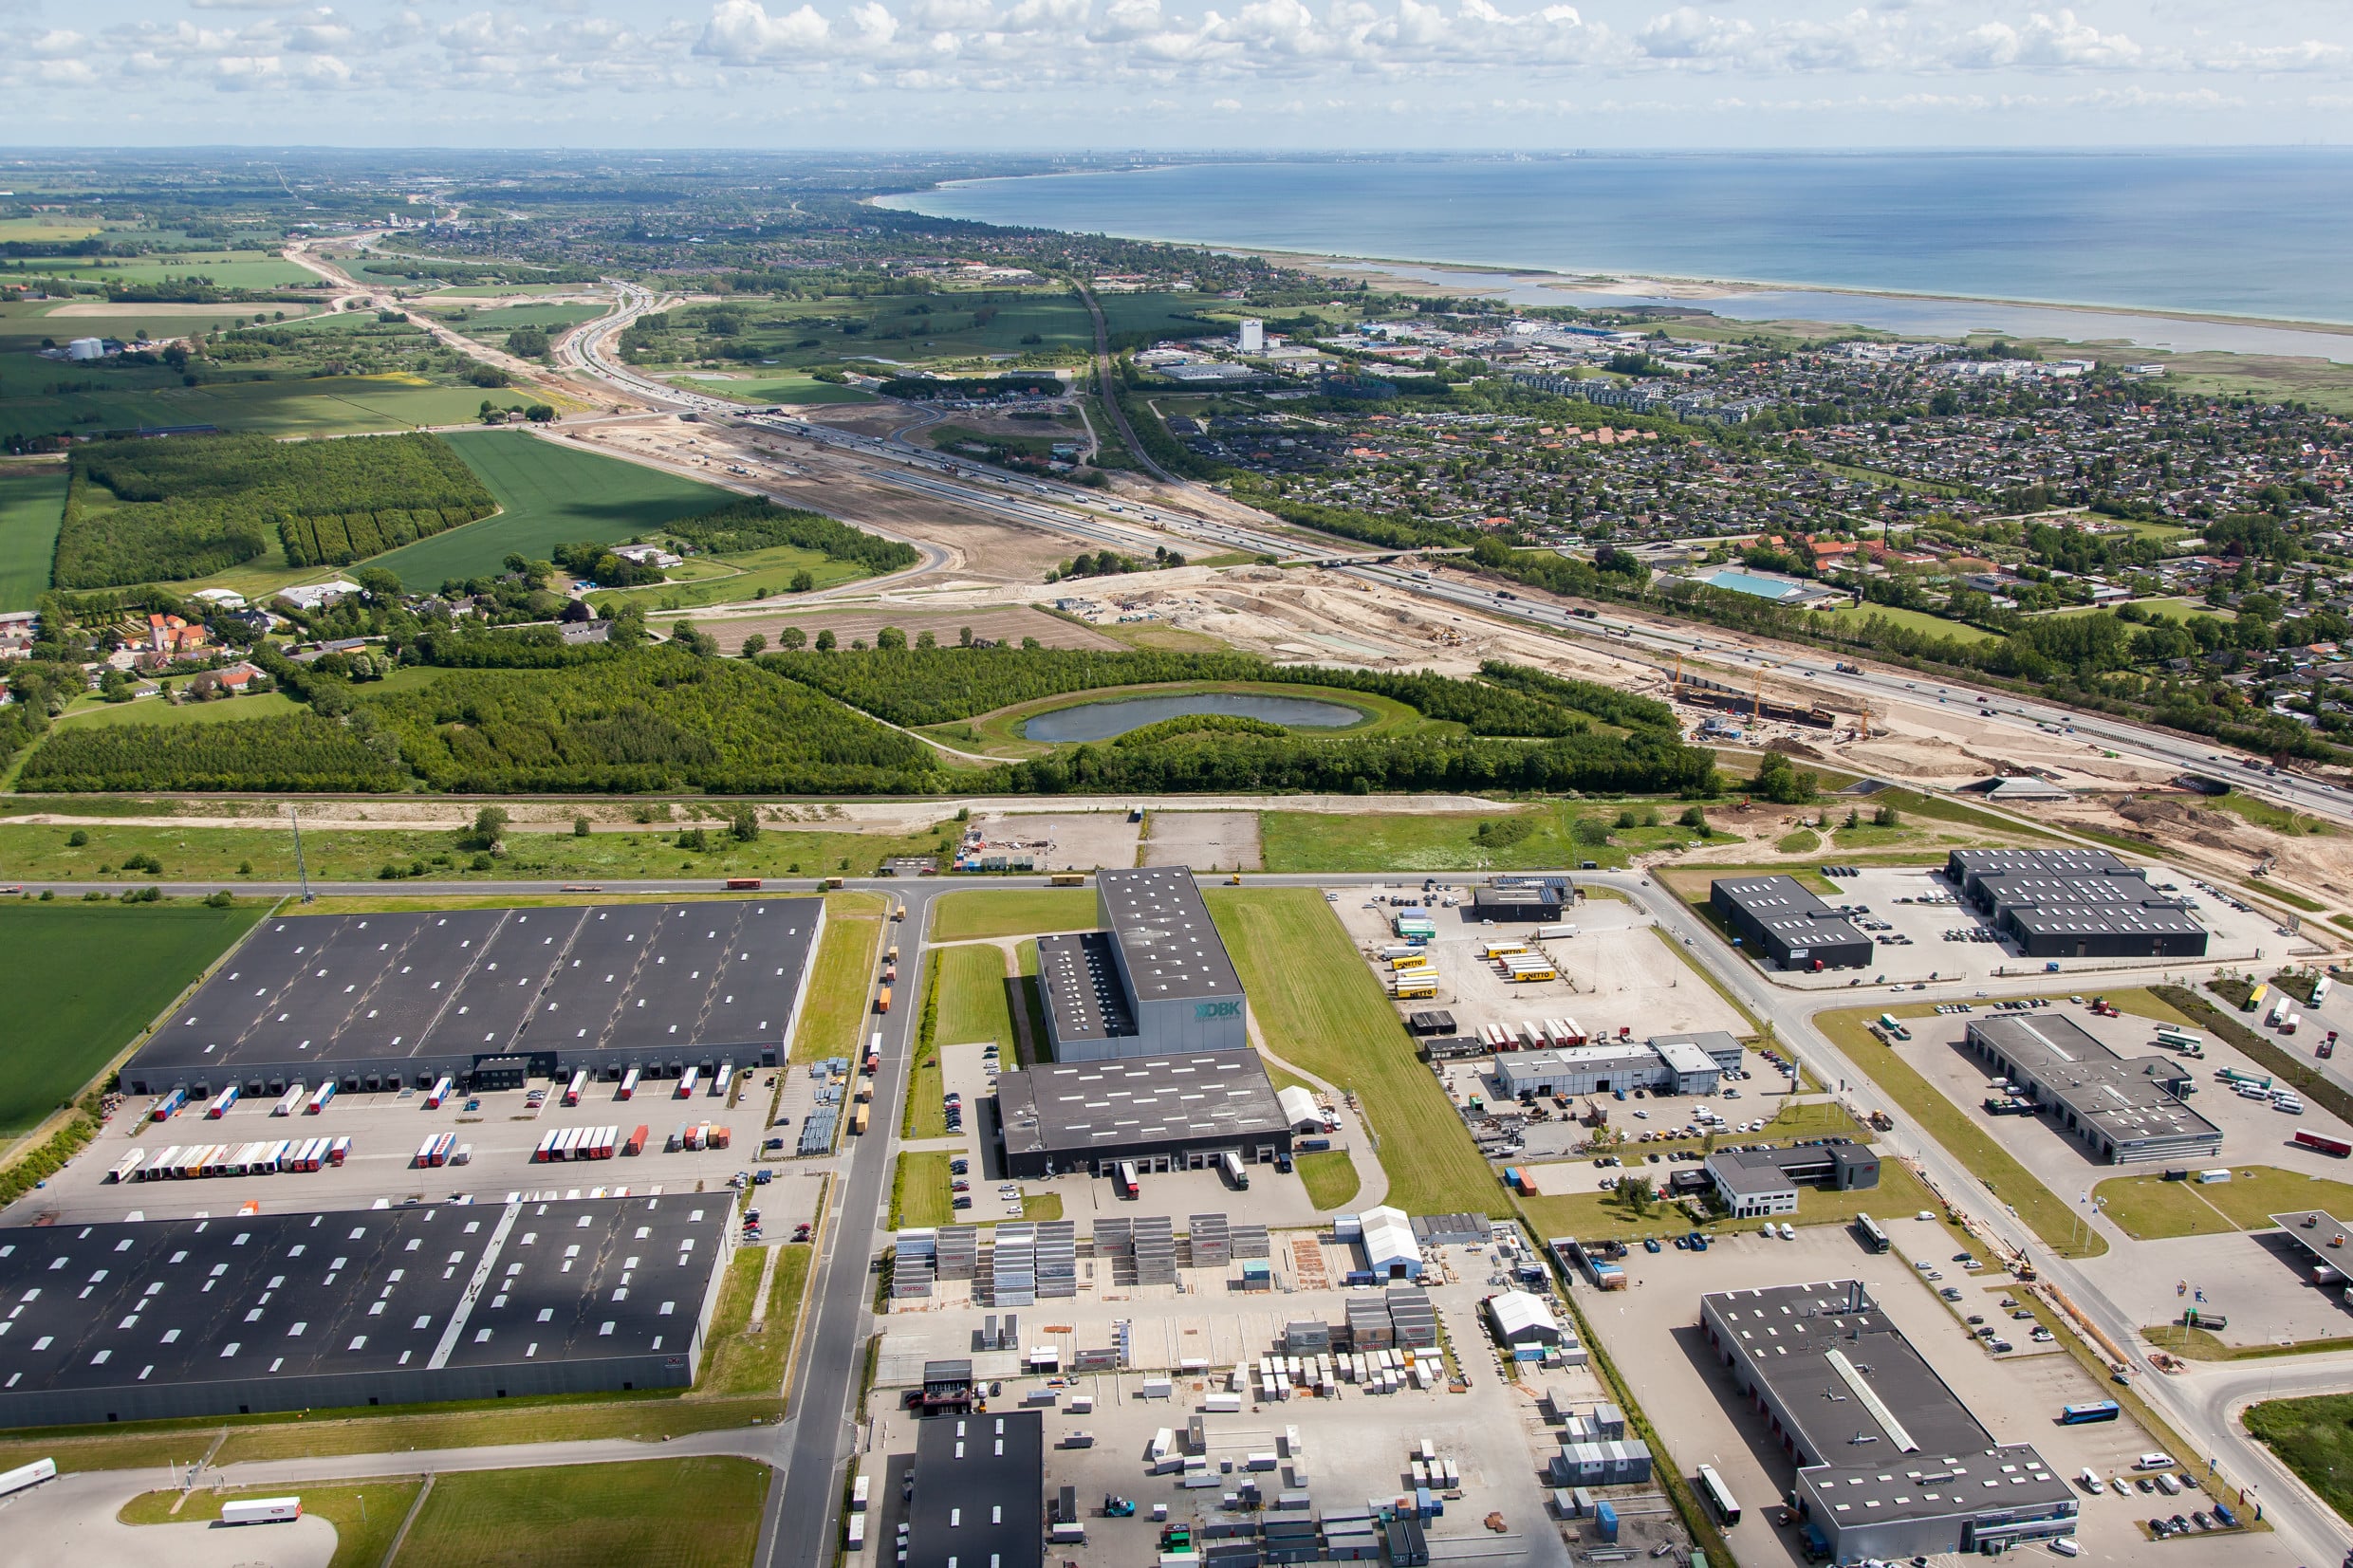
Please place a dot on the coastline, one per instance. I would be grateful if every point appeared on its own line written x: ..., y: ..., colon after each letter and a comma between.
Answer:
x: 1900, y: 311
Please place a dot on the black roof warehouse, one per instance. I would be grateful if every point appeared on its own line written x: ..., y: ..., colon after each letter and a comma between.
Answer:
x: 146, y: 1320
x: 1165, y: 1112
x: 2075, y: 903
x: 1775, y: 917
x: 378, y: 1001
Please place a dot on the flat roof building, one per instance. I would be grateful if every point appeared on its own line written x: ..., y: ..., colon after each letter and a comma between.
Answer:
x: 1155, y: 979
x: 1751, y: 1183
x: 2075, y: 903
x: 148, y: 1320
x: 1781, y: 921
x: 387, y: 1000
x: 979, y: 1491
x: 1537, y: 900
x: 1676, y: 1064
x: 1890, y: 1462
x: 1170, y: 1113
x: 2123, y: 1110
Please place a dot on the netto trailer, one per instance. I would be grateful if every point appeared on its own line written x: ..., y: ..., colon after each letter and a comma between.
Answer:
x: 439, y: 1092
x: 23, y: 1476
x: 318, y: 1098
x: 572, y: 1090
x: 290, y: 1101
x: 686, y: 1082
x: 169, y: 1104
x: 726, y: 1077
x: 221, y: 1102
x: 127, y: 1168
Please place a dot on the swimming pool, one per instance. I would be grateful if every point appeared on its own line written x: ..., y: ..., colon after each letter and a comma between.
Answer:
x: 1763, y: 587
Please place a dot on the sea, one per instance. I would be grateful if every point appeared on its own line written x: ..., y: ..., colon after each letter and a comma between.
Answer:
x: 1935, y: 243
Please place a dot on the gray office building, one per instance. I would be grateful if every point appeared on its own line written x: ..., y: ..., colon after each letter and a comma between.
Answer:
x: 1890, y: 1463
x: 1751, y: 1183
x: 1175, y: 1113
x: 1672, y: 1064
x: 1155, y: 980
x: 149, y: 1319
x: 2124, y: 1110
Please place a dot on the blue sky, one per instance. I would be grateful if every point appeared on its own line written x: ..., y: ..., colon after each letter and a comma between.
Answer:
x: 972, y: 75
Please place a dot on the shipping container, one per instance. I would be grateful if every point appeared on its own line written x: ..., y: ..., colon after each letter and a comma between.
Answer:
x: 319, y: 1098
x: 221, y: 1102
x: 628, y: 1084
x: 882, y: 1000
x: 572, y: 1091
x: 854, y: 1533
x: 637, y: 1142
x: 860, y: 1490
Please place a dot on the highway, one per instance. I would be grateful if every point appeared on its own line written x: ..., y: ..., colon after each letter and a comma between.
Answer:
x: 1130, y: 524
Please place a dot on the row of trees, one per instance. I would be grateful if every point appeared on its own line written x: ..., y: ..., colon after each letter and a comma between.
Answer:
x: 288, y: 751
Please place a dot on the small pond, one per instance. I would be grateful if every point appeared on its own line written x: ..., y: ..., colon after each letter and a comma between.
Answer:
x: 1100, y: 720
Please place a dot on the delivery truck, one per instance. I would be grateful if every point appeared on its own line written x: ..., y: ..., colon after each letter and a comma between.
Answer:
x: 262, y: 1510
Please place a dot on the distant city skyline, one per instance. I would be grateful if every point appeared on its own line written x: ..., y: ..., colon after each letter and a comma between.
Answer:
x: 1013, y: 75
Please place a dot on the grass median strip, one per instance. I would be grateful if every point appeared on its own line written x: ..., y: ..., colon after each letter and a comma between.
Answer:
x: 366, y: 1514
x: 677, y: 1513
x: 919, y: 1195
x: 1010, y: 911
x: 1319, y: 1007
x: 837, y: 1001
x: 1939, y: 1119
x: 974, y: 1005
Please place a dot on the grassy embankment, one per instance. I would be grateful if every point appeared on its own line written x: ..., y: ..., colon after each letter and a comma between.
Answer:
x: 201, y: 850
x: 1510, y: 837
x: 1318, y: 1005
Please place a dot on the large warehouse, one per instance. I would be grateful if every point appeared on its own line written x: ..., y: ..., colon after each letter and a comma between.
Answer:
x: 1890, y: 1462
x: 1172, y: 1113
x: 2123, y: 1110
x: 1776, y: 918
x: 148, y: 1320
x: 488, y: 997
x: 2075, y: 903
x: 1155, y: 979
x: 979, y: 1498
x: 1673, y: 1064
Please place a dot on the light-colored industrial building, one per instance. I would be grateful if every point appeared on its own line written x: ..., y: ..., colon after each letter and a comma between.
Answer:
x: 1672, y: 1064
x: 1754, y: 1183
x: 2123, y: 1110
x: 1890, y: 1462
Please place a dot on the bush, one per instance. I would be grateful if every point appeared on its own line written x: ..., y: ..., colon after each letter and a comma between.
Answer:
x: 1591, y: 830
x: 76, y: 838
x: 580, y: 827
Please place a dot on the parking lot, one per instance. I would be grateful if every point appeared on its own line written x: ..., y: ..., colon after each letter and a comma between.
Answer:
x: 1949, y: 939
x: 1656, y: 1340
x: 502, y: 1128
x: 1354, y: 1444
x: 1614, y: 973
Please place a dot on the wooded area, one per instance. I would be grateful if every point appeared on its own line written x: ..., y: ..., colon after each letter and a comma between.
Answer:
x: 150, y: 510
x: 291, y: 752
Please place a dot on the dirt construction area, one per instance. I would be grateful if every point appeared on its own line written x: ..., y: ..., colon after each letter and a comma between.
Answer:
x: 1206, y: 840
x: 1658, y: 1347
x: 1615, y: 973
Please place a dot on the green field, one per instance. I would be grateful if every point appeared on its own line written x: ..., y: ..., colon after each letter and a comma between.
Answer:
x: 2150, y: 1207
x: 32, y: 502
x: 549, y: 493
x: 1014, y: 911
x: 257, y: 705
x: 1316, y: 841
x: 199, y: 852
x: 650, y: 1513
x: 366, y: 1514
x: 740, y: 1363
x: 1919, y: 621
x: 90, y: 977
x: 505, y: 319
x: 2314, y: 1438
x: 919, y: 1195
x: 975, y: 999
x: 1329, y: 1176
x: 228, y: 269
x: 324, y: 405
x: 734, y: 578
x: 786, y: 389
x: 835, y: 1011
x: 1317, y: 1005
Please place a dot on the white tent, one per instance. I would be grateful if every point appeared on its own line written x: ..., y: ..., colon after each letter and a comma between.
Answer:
x: 1299, y: 1110
x: 1390, y: 1249
x: 1523, y: 1320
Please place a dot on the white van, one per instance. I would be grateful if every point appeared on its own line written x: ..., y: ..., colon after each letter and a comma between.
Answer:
x: 2154, y: 1462
x: 2166, y: 1484
x: 2092, y: 1483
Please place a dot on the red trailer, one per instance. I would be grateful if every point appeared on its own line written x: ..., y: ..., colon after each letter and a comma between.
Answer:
x: 637, y: 1142
x: 2323, y: 1142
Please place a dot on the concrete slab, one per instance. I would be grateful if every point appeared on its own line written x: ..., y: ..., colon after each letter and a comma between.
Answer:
x: 1206, y: 840
x: 1076, y: 840
x: 72, y: 1519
